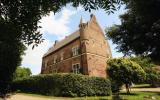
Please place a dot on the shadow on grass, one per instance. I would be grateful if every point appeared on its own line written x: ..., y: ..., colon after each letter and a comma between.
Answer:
x: 158, y: 93
x: 132, y: 94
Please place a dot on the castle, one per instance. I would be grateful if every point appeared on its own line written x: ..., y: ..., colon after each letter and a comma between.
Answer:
x: 84, y: 51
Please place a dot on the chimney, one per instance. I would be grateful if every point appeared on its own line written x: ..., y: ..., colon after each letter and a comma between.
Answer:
x: 56, y: 41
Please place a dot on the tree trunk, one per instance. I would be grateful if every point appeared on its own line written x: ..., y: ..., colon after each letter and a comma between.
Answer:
x: 127, y: 88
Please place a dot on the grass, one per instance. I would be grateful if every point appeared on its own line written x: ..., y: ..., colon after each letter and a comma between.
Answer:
x: 123, y: 96
x: 135, y: 95
x: 140, y: 96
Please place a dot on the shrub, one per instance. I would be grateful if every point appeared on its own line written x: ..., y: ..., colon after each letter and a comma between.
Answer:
x: 70, y: 85
x: 153, y: 77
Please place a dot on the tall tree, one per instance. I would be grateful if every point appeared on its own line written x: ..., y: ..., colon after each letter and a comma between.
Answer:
x: 139, y: 32
x: 11, y: 50
x: 18, y: 25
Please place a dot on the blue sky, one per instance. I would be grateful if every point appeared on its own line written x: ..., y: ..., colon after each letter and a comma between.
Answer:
x: 57, y: 26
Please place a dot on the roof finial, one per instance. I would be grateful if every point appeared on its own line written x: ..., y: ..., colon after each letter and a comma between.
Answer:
x: 91, y: 15
x: 81, y: 21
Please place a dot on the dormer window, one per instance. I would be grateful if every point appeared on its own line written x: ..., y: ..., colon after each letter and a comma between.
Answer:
x: 75, y: 50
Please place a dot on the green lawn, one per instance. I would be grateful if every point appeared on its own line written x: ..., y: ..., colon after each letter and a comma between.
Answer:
x: 141, y: 95
x: 123, y: 95
x: 133, y: 96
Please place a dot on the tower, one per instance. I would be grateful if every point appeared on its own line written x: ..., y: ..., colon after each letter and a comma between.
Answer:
x: 94, y: 48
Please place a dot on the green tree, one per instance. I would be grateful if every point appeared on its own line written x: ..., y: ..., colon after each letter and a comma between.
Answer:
x: 139, y: 32
x: 153, y: 77
x: 152, y: 74
x: 18, y: 25
x: 11, y: 50
x: 143, y: 61
x: 22, y: 72
x: 125, y: 71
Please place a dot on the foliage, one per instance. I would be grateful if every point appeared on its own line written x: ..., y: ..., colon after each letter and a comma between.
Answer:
x: 115, y: 86
x: 70, y: 85
x: 139, y: 32
x: 25, y: 14
x: 22, y: 72
x: 144, y: 62
x: 10, y: 56
x: 153, y: 77
x: 19, y: 24
x: 125, y: 71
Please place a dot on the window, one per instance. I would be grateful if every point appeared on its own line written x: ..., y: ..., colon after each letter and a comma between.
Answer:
x: 46, y: 64
x: 76, y: 68
x: 55, y: 59
x: 62, y: 56
x: 54, y: 70
x: 75, y: 51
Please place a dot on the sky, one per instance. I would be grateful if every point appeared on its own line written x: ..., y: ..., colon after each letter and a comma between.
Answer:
x: 57, y: 26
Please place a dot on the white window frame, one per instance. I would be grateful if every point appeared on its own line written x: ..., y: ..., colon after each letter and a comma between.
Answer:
x: 55, y: 59
x: 75, y: 50
x: 76, y: 68
x: 54, y: 70
x: 45, y: 64
x: 62, y: 56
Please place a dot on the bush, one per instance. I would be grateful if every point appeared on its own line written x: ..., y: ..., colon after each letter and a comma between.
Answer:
x: 153, y: 78
x: 71, y: 85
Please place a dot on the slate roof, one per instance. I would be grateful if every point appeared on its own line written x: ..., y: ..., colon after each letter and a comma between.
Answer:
x: 63, y: 42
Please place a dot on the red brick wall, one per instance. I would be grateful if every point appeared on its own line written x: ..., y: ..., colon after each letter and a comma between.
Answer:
x: 94, y: 52
x: 65, y: 65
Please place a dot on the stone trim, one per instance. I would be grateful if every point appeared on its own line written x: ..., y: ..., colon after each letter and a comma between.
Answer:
x: 79, y: 56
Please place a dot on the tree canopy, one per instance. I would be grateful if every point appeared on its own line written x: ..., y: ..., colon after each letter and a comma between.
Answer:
x: 25, y: 14
x: 144, y: 62
x: 139, y: 32
x: 125, y: 71
x: 22, y: 72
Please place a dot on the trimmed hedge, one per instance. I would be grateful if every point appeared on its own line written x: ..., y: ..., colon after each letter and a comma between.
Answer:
x: 71, y: 85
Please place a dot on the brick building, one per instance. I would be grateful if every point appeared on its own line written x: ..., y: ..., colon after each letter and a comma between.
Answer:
x: 84, y: 51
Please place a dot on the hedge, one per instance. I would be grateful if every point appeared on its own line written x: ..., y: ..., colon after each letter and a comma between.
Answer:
x: 69, y: 85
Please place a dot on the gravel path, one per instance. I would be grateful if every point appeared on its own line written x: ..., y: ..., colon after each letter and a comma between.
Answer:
x: 28, y: 97
x: 145, y: 89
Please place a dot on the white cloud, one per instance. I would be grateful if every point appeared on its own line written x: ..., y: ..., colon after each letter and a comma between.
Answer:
x: 53, y: 25
x: 58, y: 26
x: 33, y: 57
